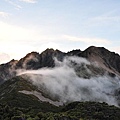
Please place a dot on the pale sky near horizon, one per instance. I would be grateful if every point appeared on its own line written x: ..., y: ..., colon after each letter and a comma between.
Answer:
x: 35, y: 25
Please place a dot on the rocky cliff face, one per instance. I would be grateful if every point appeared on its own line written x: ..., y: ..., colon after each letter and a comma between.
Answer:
x: 108, y: 61
x: 32, y: 61
x: 7, y: 70
x: 35, y: 60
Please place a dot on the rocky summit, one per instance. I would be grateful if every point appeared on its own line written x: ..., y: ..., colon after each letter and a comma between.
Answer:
x: 107, y: 60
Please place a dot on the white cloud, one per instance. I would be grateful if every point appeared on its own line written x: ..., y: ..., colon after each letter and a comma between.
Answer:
x: 4, y: 14
x: 102, y: 20
x: 12, y: 32
x: 4, y: 58
x: 29, y: 1
x: 68, y: 87
x: 14, y: 4
x: 87, y: 40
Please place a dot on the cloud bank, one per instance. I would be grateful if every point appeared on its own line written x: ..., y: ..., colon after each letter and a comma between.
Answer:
x: 63, y: 84
x: 87, y: 40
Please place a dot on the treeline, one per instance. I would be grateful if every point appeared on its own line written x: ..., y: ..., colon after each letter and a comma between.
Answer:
x: 72, y: 111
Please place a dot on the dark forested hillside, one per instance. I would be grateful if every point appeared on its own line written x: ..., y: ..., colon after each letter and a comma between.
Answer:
x: 72, y: 111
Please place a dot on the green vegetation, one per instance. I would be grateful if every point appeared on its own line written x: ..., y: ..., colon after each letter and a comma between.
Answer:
x: 92, y: 110
x: 17, y: 106
x: 10, y: 95
x: 72, y: 111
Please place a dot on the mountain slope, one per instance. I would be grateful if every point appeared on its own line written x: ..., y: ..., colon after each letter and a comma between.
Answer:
x: 10, y: 94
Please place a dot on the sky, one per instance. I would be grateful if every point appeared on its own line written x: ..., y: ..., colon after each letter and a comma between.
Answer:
x: 35, y: 25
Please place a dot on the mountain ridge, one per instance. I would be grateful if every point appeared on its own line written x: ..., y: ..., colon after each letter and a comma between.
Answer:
x: 33, y: 61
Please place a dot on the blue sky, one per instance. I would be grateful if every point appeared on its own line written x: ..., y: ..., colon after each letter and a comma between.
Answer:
x: 34, y: 25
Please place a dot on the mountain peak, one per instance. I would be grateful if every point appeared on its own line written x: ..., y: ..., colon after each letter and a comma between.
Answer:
x: 31, y: 54
x: 51, y: 50
x: 74, y: 52
x: 105, y: 58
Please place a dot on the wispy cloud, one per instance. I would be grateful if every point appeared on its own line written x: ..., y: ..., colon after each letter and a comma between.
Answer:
x: 4, y: 14
x: 14, y: 4
x: 111, y: 18
x: 29, y: 1
x: 4, y: 58
x: 87, y: 40
x: 107, y: 18
x: 14, y: 33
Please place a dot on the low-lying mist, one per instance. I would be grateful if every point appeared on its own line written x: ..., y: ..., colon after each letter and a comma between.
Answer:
x: 63, y: 83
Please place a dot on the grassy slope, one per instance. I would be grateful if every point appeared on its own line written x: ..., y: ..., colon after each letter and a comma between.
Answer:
x: 9, y: 94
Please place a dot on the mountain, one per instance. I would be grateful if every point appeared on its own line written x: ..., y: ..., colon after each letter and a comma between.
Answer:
x: 47, y: 85
x: 32, y: 60
x: 7, y: 70
x: 107, y: 60
x: 35, y: 60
